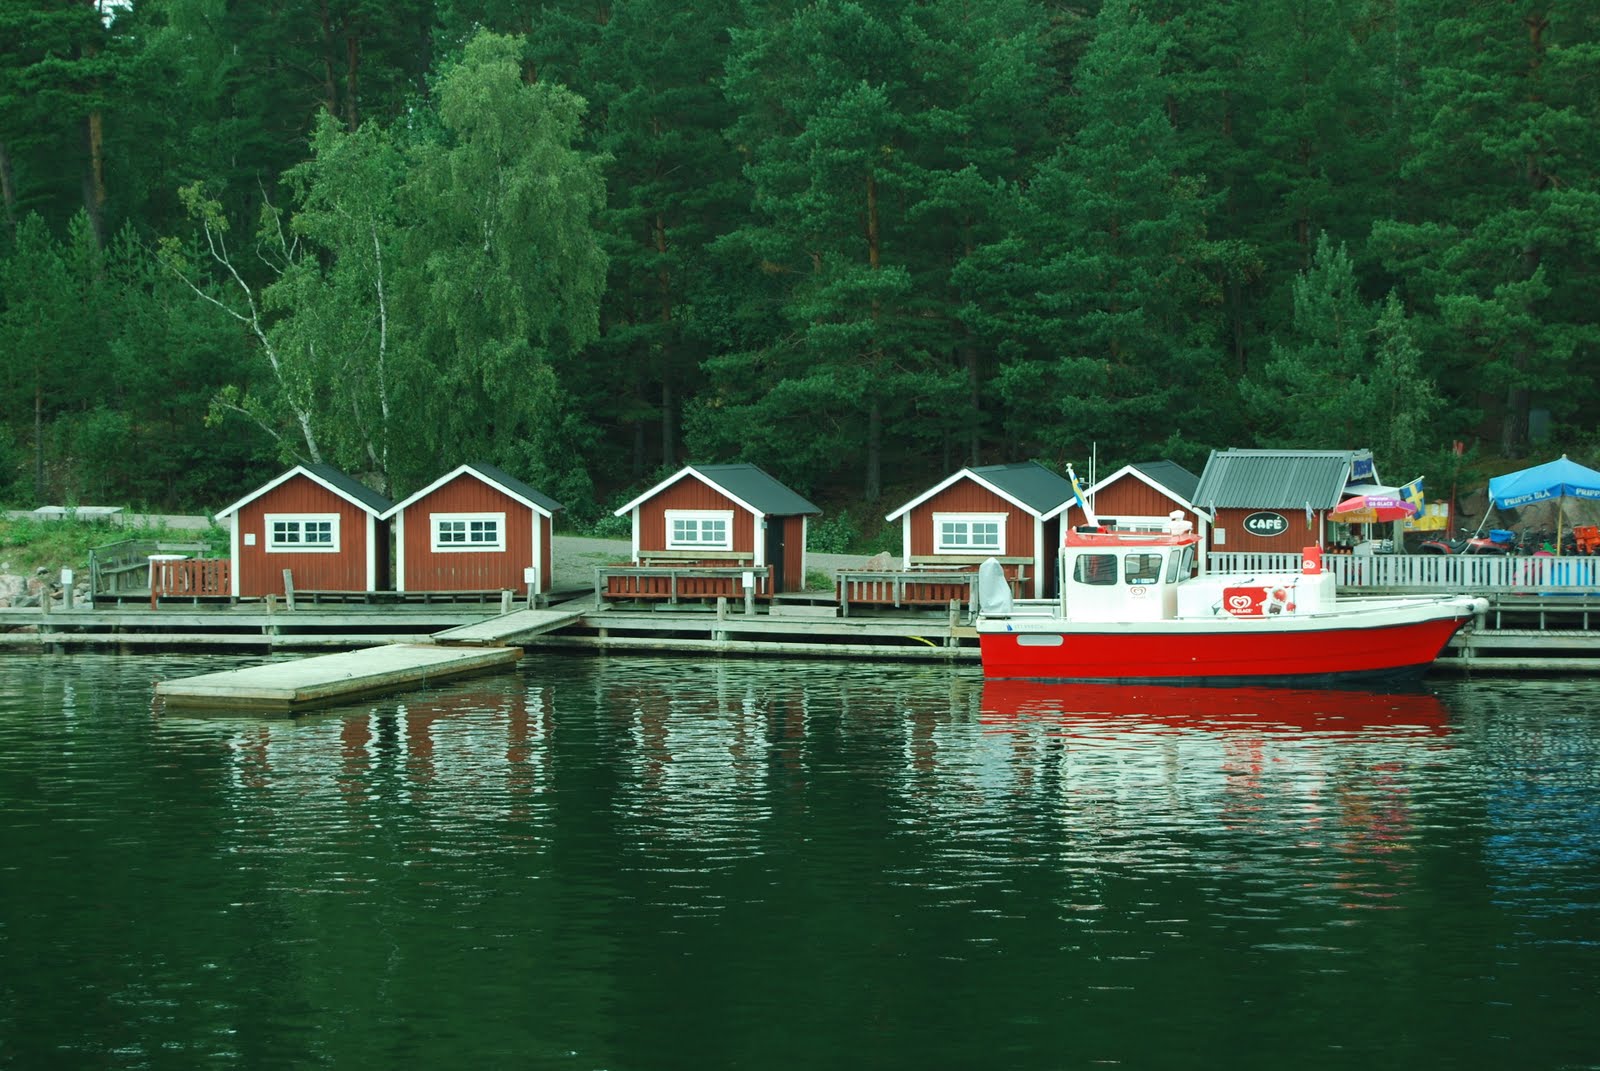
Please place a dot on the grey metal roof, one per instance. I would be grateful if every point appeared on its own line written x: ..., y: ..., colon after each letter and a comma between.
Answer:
x: 515, y: 486
x: 1275, y: 479
x: 749, y: 484
x: 350, y: 486
x: 1171, y: 475
x: 1028, y: 482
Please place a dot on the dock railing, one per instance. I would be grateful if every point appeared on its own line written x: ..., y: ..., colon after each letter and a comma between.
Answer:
x: 675, y: 582
x: 1468, y: 574
x: 123, y: 567
x: 921, y: 586
x: 192, y: 578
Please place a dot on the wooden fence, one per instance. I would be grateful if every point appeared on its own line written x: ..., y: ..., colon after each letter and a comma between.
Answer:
x: 1469, y: 574
x: 914, y: 587
x: 124, y: 566
x: 675, y: 582
x: 192, y: 578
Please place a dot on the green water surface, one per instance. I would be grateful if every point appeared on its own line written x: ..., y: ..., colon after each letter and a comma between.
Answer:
x: 634, y: 863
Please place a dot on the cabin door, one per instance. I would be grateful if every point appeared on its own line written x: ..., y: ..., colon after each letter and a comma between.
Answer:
x: 775, y: 530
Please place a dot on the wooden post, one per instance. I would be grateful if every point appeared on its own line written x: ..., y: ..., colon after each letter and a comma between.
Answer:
x: 288, y: 589
x: 505, y: 601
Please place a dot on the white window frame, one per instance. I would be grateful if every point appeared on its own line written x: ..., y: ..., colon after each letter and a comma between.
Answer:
x: 272, y: 520
x: 968, y: 520
x: 435, y: 521
x: 699, y: 516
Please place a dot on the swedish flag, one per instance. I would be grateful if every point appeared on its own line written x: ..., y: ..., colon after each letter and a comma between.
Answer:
x: 1083, y: 502
x: 1412, y: 493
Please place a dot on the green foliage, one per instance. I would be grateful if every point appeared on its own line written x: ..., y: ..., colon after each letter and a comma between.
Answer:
x: 833, y: 534
x: 859, y: 244
x: 27, y: 544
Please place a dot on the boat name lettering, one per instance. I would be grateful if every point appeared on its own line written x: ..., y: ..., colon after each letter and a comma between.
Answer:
x: 1266, y: 524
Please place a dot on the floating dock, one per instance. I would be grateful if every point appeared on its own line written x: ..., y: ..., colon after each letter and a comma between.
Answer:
x: 308, y: 682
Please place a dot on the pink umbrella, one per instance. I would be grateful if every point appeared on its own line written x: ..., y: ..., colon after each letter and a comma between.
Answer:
x: 1372, y: 509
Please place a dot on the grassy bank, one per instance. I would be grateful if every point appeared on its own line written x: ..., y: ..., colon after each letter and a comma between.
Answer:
x: 27, y: 544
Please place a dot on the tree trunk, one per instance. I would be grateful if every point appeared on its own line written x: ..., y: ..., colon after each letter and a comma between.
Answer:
x: 330, y: 90
x: 874, y: 482
x: 8, y: 190
x: 352, y: 64
x: 94, y: 176
x: 638, y: 450
x: 669, y: 400
x: 38, y: 441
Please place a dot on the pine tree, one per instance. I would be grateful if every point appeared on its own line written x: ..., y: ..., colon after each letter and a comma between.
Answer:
x: 1496, y: 249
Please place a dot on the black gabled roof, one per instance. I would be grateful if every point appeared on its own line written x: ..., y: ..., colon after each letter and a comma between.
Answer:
x: 1028, y: 482
x: 350, y: 486
x: 1171, y: 475
x: 752, y: 486
x: 510, y: 483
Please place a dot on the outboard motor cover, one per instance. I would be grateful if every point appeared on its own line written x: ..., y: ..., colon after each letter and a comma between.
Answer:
x: 994, y: 591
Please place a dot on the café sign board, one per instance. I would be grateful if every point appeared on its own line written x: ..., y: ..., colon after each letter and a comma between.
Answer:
x: 1266, y: 524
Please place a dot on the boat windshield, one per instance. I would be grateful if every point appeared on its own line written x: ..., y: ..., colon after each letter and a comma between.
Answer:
x: 1142, y: 568
x: 1098, y: 570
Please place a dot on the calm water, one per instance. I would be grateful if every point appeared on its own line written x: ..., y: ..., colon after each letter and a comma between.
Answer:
x: 649, y: 863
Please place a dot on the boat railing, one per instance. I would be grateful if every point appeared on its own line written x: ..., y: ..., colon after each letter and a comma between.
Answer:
x: 1457, y: 574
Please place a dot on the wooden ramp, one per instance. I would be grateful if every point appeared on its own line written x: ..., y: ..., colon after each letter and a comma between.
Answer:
x: 508, y: 627
x: 305, y: 682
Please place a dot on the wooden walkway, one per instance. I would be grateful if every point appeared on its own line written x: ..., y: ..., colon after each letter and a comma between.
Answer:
x: 518, y: 624
x: 307, y: 682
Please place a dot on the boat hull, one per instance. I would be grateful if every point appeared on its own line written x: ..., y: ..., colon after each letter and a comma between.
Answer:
x: 1379, y: 646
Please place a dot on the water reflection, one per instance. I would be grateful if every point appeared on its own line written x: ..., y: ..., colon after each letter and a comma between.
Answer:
x: 1199, y: 780
x: 605, y: 862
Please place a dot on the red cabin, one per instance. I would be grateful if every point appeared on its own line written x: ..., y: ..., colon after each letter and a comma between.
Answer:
x: 717, y: 516
x: 315, y: 523
x: 1006, y: 512
x: 1141, y: 497
x: 474, y: 529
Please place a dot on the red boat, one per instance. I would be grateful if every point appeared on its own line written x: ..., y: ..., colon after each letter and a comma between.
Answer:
x: 1130, y: 609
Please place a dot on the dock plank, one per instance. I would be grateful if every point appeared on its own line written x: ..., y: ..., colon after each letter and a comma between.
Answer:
x: 503, y: 628
x: 294, y: 685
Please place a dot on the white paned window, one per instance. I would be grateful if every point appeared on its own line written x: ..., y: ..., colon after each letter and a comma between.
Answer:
x: 699, y: 529
x: 303, y: 533
x: 969, y: 533
x: 469, y: 531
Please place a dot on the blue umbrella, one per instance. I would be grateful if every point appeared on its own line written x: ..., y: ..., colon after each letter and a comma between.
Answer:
x: 1562, y: 478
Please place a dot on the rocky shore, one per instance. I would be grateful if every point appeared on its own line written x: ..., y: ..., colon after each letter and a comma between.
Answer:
x: 24, y: 591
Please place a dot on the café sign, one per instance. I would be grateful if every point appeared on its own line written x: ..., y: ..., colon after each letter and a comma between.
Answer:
x: 1265, y: 524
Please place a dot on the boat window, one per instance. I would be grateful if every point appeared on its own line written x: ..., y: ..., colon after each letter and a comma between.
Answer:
x: 1181, y: 565
x: 1099, y: 570
x: 1142, y: 568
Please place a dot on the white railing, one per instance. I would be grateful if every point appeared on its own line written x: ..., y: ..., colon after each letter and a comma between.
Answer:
x: 1468, y: 574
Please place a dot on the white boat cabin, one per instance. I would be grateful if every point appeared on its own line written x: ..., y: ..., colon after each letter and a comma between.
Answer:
x: 1109, y: 575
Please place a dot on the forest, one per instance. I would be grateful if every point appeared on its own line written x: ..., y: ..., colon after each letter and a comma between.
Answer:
x: 861, y: 244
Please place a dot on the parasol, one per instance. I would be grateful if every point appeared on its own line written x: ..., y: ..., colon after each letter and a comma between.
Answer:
x: 1372, y: 509
x: 1560, y: 479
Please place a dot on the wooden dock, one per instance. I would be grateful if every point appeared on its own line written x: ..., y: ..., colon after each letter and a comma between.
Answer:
x: 509, y: 628
x: 308, y: 682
